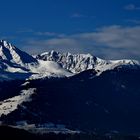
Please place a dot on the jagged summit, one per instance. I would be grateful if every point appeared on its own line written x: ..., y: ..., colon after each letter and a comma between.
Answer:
x: 11, y: 53
x: 73, y: 62
x: 5, y: 43
x: 13, y: 60
x: 83, y: 102
x: 16, y: 64
x: 77, y: 63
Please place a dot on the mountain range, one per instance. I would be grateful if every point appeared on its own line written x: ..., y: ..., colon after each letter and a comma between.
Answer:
x: 16, y: 64
x: 68, y: 93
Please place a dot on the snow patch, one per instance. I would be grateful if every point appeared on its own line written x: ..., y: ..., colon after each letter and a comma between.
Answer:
x: 16, y: 64
x: 77, y: 63
x: 45, y: 128
x: 9, y: 105
x: 48, y: 69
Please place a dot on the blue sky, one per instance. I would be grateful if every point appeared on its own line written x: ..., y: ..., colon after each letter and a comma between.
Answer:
x: 106, y: 28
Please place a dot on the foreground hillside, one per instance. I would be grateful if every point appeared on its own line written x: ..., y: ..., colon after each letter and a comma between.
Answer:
x: 19, y: 134
x: 109, y: 102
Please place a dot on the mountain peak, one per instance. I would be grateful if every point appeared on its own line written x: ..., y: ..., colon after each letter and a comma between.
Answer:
x: 77, y: 63
x: 12, y: 54
x: 16, y: 64
x: 73, y: 62
x: 3, y: 42
x: 6, y: 44
x: 14, y: 60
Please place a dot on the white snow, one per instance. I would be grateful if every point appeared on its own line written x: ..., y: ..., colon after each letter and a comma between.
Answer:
x: 12, y: 69
x: 12, y: 54
x: 45, y: 128
x: 48, y: 69
x: 16, y: 64
x: 111, y: 64
x: 8, y: 51
x: 9, y: 105
x: 26, y: 83
x: 77, y: 63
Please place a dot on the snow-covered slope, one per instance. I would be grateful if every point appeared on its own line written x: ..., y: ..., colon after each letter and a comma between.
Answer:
x: 77, y: 63
x: 11, y: 53
x: 9, y: 105
x: 74, y: 63
x: 48, y: 69
x: 12, y: 59
x: 16, y: 64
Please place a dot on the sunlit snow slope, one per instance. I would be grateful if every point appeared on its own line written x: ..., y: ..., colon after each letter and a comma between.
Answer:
x: 16, y: 64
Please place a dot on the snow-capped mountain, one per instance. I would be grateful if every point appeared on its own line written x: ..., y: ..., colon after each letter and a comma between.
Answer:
x: 77, y: 63
x: 12, y: 59
x: 84, y: 92
x: 11, y: 53
x: 77, y: 102
x: 16, y: 64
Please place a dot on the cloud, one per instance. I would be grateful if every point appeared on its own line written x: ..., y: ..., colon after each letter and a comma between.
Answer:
x: 115, y: 36
x: 59, y: 44
x: 50, y: 34
x: 8, y: 37
x: 122, y: 42
x: 110, y: 42
x: 135, y: 21
x: 46, y: 33
x: 78, y: 15
x: 131, y: 7
x: 39, y: 33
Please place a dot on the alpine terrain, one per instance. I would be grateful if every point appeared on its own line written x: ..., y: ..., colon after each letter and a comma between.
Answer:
x: 68, y: 93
